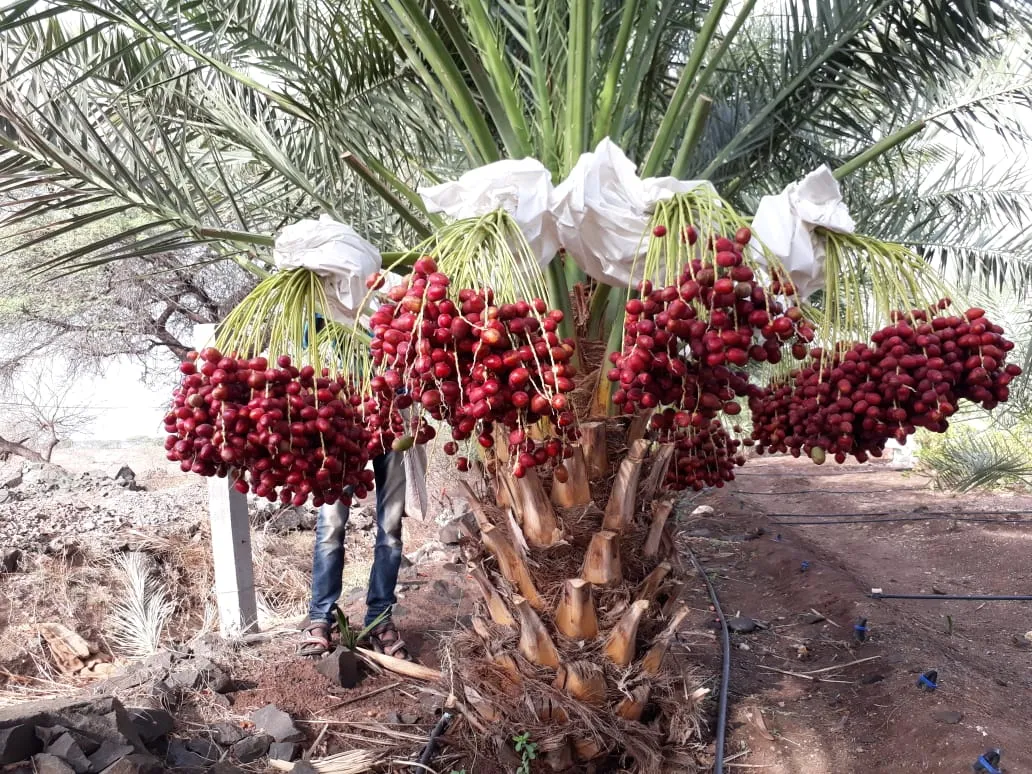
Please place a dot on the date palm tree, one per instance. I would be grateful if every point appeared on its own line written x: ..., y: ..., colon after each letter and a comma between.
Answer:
x: 214, y: 124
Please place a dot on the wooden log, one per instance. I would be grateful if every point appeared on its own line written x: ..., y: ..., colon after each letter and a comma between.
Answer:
x: 602, y: 560
x: 661, y: 510
x: 632, y: 705
x: 575, y: 616
x: 650, y: 586
x: 620, y: 643
x: 576, y: 490
x: 539, y: 524
x: 652, y: 663
x: 596, y: 454
x: 673, y: 591
x: 401, y: 666
x: 583, y: 680
x: 623, y: 498
x: 535, y: 644
x: 512, y: 566
x: 66, y: 646
x: 495, y: 604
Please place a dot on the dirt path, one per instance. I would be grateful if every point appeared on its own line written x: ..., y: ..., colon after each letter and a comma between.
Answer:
x: 873, y: 719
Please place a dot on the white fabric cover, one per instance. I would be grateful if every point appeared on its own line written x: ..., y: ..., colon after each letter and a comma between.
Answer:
x: 523, y: 188
x: 336, y: 253
x: 785, y: 223
x: 603, y: 209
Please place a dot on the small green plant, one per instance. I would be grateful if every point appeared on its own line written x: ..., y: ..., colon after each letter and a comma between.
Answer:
x: 527, y: 750
x: 350, y: 636
x: 457, y: 771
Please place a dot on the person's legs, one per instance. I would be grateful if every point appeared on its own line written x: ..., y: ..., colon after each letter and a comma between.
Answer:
x: 390, y: 507
x: 328, y: 561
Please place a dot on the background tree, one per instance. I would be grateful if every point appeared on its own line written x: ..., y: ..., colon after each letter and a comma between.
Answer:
x: 41, y: 409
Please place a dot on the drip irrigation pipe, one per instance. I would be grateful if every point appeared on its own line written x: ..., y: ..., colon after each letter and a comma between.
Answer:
x: 431, y: 743
x: 822, y: 521
x: 756, y: 472
x: 725, y: 670
x: 947, y: 514
x: 834, y: 491
x: 957, y: 597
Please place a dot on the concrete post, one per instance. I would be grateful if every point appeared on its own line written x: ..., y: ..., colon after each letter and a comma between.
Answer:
x: 230, y: 542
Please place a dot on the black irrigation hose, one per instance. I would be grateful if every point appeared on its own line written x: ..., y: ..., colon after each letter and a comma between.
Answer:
x: 946, y: 514
x: 431, y: 743
x: 968, y: 597
x: 725, y: 670
x: 834, y: 491
x: 825, y: 521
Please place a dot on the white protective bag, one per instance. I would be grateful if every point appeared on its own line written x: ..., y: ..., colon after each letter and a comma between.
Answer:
x: 523, y: 188
x: 785, y: 224
x: 336, y: 253
x: 603, y: 209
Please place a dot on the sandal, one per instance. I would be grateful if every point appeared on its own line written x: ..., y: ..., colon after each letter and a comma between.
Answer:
x: 386, y: 639
x: 316, y: 640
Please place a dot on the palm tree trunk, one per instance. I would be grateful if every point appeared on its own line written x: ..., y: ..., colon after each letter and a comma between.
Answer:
x: 581, y: 626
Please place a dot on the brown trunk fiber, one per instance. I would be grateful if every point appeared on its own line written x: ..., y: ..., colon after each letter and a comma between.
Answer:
x: 511, y: 565
x: 631, y: 707
x: 538, y: 517
x: 602, y: 560
x: 653, y: 660
x: 577, y: 488
x: 657, y: 473
x: 548, y: 710
x: 575, y: 617
x: 650, y: 586
x: 476, y: 506
x: 620, y: 644
x: 502, y: 476
x: 495, y: 604
x: 560, y: 759
x: 587, y: 749
x: 583, y: 680
x: 620, y: 508
x: 660, y: 513
x: 535, y: 644
x: 487, y: 711
x: 639, y: 424
x: 596, y: 455
x: 509, y: 667
x: 673, y: 595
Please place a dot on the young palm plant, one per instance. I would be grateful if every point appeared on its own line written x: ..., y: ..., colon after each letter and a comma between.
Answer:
x: 215, y: 125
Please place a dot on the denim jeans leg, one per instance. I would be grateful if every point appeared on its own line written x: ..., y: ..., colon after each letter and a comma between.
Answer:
x: 390, y: 507
x: 328, y: 561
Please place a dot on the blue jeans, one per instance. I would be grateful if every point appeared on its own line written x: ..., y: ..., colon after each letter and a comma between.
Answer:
x: 328, y: 561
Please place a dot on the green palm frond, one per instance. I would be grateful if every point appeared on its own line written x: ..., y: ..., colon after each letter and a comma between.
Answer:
x: 970, y: 459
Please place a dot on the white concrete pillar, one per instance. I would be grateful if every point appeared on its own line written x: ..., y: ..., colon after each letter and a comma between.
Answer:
x: 230, y: 542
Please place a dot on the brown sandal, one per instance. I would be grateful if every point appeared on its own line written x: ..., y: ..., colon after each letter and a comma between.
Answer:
x: 316, y: 640
x: 386, y: 639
